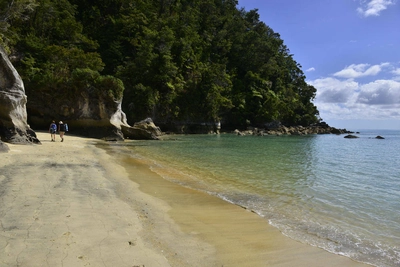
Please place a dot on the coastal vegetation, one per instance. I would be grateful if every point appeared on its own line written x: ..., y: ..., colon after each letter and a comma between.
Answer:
x: 171, y: 60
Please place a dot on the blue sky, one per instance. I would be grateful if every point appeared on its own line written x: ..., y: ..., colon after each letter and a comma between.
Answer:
x: 349, y: 50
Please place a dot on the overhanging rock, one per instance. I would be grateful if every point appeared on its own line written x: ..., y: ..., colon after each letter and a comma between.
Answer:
x: 13, y: 117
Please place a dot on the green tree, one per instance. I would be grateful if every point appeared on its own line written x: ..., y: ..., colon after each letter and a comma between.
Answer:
x: 174, y: 60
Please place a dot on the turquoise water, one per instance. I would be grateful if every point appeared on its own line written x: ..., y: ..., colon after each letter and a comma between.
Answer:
x: 342, y: 195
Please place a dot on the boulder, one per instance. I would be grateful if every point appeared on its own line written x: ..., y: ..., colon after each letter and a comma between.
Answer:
x: 3, y: 147
x: 13, y: 116
x: 143, y: 130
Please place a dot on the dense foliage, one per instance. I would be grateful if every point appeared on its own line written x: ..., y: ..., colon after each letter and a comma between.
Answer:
x: 173, y: 60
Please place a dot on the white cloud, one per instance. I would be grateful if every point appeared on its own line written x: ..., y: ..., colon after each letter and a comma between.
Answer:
x: 332, y: 90
x: 380, y: 92
x: 374, y: 7
x: 360, y: 70
x: 396, y: 71
x: 310, y: 69
x: 341, y: 98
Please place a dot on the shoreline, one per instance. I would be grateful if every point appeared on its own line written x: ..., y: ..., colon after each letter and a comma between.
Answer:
x: 240, y: 236
x: 77, y: 203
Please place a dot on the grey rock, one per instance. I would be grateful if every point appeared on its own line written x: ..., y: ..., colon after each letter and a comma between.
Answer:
x: 143, y: 130
x: 13, y: 116
x: 351, y: 136
x: 3, y: 147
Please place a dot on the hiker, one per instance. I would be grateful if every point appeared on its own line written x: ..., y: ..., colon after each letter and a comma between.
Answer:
x: 62, y: 129
x: 53, y: 130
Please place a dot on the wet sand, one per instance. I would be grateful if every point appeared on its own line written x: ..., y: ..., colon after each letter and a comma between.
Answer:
x: 75, y: 204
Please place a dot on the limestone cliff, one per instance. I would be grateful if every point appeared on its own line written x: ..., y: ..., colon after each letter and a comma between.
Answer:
x: 89, y: 113
x: 13, y: 116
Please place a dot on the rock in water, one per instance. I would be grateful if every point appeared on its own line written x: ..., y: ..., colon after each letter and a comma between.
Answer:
x: 13, y: 117
x: 351, y: 136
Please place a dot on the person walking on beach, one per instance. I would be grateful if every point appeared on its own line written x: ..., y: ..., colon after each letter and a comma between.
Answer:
x: 53, y: 130
x: 61, y: 130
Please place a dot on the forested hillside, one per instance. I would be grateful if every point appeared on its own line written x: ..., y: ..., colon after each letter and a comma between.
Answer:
x: 173, y: 60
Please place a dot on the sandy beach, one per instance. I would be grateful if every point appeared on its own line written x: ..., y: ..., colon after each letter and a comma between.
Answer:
x: 74, y: 203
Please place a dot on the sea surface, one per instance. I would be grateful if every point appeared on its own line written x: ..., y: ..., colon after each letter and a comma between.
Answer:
x: 342, y: 195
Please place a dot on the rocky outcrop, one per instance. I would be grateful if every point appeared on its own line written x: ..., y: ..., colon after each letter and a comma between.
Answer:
x: 145, y: 129
x: 292, y: 130
x: 92, y: 114
x: 88, y: 113
x: 13, y: 116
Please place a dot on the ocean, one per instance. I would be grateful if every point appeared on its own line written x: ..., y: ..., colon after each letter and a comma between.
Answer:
x: 339, y: 194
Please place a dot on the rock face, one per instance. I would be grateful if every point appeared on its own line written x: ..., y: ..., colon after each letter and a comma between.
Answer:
x: 13, y: 116
x: 89, y: 113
